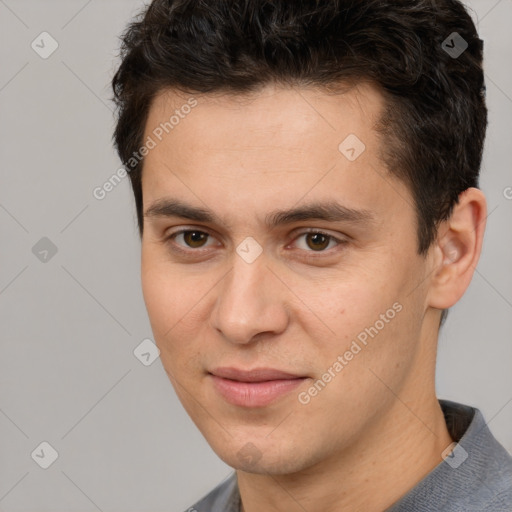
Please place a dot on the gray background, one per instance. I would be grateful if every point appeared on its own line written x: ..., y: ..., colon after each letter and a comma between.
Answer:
x: 70, y: 324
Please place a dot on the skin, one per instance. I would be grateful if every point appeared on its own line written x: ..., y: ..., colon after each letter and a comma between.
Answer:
x: 375, y: 429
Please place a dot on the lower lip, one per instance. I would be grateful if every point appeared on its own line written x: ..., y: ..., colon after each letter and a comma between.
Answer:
x: 254, y: 394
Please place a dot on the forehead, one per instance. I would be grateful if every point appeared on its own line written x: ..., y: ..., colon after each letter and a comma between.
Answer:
x: 277, y: 145
x: 272, y: 130
x: 283, y: 113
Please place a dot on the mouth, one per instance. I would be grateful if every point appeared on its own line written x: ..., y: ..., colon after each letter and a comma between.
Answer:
x: 258, y: 387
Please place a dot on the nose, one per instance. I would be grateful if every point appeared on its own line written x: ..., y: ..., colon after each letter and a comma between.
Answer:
x: 251, y: 301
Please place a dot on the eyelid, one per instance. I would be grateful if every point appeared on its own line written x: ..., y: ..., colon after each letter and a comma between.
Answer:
x: 301, y: 231
x: 339, y: 240
x: 169, y: 237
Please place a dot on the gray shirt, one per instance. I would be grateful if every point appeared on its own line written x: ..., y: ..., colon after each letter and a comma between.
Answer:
x: 476, y: 477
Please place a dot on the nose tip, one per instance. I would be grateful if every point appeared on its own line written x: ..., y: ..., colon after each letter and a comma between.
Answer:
x: 248, y: 304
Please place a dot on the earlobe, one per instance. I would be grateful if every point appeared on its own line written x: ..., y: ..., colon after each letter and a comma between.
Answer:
x: 458, y: 249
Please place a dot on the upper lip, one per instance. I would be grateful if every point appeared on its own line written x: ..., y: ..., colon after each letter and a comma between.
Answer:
x: 254, y: 375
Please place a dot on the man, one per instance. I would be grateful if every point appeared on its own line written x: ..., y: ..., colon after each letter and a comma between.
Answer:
x: 305, y: 177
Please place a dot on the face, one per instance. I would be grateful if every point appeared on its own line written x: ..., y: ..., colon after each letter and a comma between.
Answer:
x: 329, y: 294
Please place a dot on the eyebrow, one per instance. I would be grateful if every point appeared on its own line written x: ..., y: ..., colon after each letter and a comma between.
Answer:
x: 329, y: 211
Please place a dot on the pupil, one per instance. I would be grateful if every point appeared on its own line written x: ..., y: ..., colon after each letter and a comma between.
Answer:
x: 195, y: 236
x: 318, y: 237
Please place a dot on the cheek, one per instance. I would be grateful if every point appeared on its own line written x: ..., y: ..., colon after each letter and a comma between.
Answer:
x: 344, y: 310
x: 164, y: 289
x: 161, y: 297
x: 175, y: 302
x: 363, y: 320
x: 163, y: 294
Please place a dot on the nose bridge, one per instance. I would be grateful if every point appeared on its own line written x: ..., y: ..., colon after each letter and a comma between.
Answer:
x: 248, y: 303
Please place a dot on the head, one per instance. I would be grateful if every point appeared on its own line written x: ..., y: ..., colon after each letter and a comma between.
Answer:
x: 232, y: 112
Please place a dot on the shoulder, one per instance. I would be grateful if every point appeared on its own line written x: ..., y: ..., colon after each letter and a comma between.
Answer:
x: 497, y: 482
x: 223, y: 498
x: 478, y: 479
x: 484, y: 477
x: 501, y: 502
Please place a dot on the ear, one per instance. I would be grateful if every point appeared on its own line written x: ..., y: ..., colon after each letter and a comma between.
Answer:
x: 457, y: 249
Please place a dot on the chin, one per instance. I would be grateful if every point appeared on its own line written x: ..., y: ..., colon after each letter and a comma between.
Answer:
x: 268, y: 459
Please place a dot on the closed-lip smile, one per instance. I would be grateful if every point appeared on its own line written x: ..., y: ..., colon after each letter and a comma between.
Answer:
x: 257, y: 387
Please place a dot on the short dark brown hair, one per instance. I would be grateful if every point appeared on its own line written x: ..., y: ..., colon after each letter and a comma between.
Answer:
x: 435, y: 117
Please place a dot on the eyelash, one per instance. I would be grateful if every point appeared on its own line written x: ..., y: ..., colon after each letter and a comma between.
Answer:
x: 339, y: 242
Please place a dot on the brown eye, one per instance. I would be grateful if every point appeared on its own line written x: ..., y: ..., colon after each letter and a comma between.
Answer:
x: 195, y: 239
x: 317, y: 241
x: 191, y: 238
